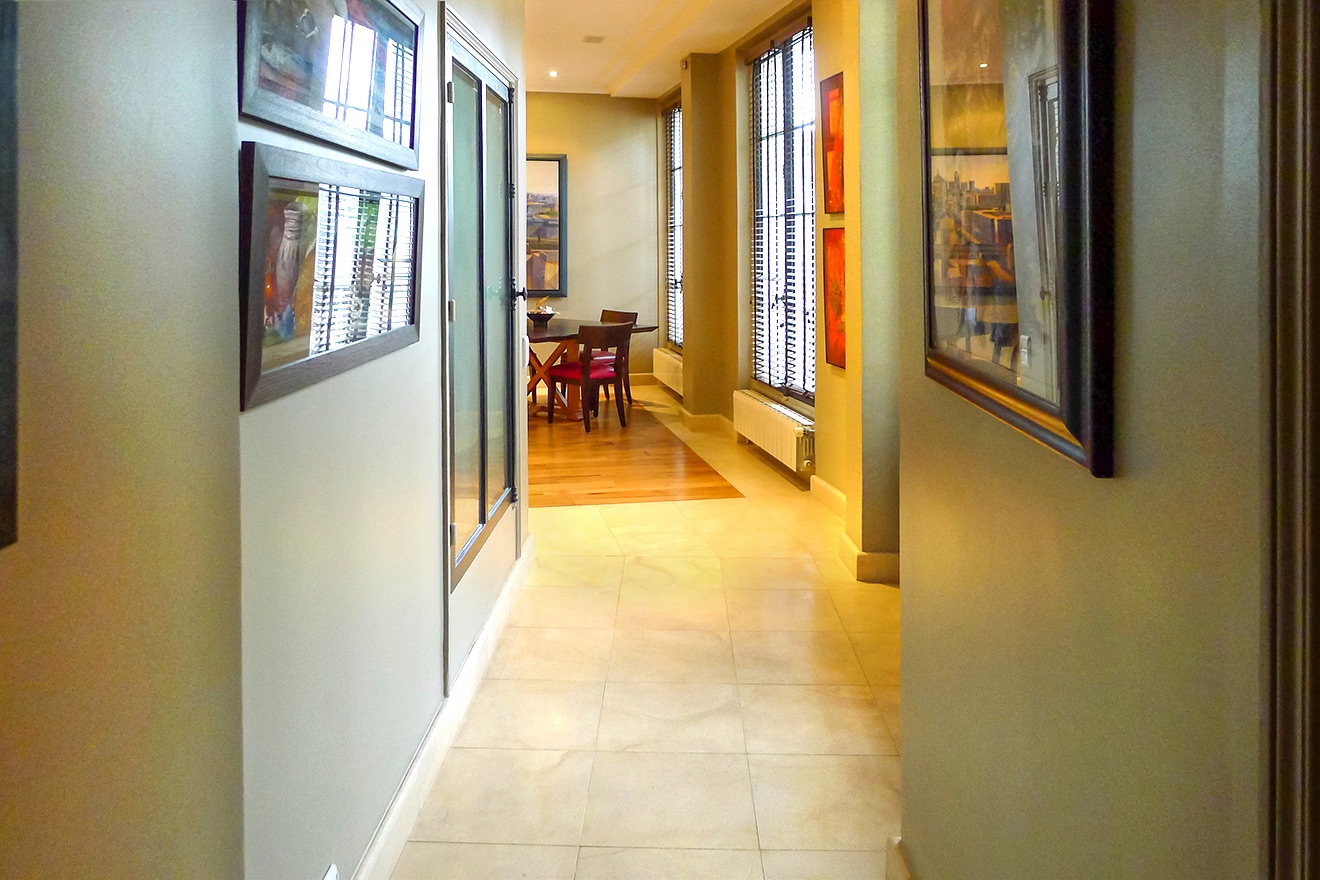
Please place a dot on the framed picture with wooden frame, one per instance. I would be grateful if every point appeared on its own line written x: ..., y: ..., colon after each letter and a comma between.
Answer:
x: 1016, y: 118
x: 340, y: 71
x: 8, y: 272
x: 329, y: 263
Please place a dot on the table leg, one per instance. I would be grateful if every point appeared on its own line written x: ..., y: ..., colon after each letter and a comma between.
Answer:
x: 541, y: 374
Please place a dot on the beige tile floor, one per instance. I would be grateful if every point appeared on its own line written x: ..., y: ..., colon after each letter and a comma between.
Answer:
x: 686, y: 690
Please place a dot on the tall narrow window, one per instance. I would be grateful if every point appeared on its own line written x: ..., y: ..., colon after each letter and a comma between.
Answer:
x: 674, y: 245
x: 783, y: 132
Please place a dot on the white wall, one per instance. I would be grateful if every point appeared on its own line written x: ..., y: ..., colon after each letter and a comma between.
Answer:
x: 342, y: 559
x: 119, y: 606
x: 613, y: 237
x: 1081, y: 658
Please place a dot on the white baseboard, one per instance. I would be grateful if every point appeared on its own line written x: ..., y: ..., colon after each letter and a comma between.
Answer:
x: 834, y: 500
x: 392, y: 834
x: 896, y: 865
x: 871, y: 568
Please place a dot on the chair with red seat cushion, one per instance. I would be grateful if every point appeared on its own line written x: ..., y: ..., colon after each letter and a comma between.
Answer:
x: 597, y: 365
x: 611, y: 316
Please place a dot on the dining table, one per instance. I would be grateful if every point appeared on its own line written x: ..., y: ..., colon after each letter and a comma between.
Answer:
x: 564, y: 333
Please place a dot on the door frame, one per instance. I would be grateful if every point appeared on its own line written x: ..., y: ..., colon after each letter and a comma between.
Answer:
x: 1291, y: 192
x: 453, y: 29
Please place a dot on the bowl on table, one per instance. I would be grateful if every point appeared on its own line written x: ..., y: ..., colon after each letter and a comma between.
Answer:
x: 540, y: 319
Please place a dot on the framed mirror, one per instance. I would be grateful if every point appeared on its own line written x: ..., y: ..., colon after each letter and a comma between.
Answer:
x: 1018, y: 236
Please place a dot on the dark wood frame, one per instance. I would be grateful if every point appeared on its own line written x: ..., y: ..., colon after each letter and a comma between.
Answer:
x: 827, y: 86
x: 1081, y: 426
x: 562, y: 290
x: 258, y: 164
x: 8, y: 272
x: 265, y: 105
x: 1291, y: 191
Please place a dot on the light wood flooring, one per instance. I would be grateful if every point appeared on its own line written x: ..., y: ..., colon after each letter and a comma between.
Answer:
x: 615, y: 465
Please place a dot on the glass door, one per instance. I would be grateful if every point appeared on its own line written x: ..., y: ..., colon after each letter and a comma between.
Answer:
x: 481, y: 306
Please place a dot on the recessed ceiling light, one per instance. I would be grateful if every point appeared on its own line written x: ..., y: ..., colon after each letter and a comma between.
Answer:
x: 593, y: 39
x: 985, y: 64
x: 554, y: 73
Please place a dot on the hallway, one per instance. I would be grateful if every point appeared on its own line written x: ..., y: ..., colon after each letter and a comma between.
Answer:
x: 685, y: 689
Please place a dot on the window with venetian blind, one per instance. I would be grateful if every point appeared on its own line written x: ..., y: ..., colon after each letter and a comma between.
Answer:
x: 673, y: 122
x: 783, y: 137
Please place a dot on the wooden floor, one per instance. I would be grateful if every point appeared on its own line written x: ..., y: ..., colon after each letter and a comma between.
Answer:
x: 614, y: 465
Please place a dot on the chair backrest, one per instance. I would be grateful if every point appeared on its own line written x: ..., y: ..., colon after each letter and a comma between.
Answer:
x: 594, y: 338
x: 610, y: 316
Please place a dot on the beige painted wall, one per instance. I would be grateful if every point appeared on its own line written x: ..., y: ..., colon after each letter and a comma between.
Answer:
x: 836, y: 42
x: 612, y: 146
x: 1081, y: 658
x: 119, y: 606
x: 712, y: 214
x: 342, y: 558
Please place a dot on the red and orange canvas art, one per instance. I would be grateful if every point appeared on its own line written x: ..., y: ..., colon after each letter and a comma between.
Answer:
x: 835, y: 330
x: 831, y: 140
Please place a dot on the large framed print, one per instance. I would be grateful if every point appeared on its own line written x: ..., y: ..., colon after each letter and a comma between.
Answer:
x: 835, y: 265
x: 547, y: 226
x: 329, y: 268
x: 341, y: 71
x: 1016, y: 112
x: 8, y: 272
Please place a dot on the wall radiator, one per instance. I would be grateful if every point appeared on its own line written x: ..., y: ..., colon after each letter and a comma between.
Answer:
x: 787, y: 435
x: 668, y: 368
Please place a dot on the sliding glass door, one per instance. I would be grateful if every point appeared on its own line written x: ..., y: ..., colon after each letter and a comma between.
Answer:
x: 481, y: 308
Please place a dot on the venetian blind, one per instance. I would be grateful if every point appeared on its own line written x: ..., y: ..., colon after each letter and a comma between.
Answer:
x: 364, y: 265
x: 783, y: 137
x: 674, y: 225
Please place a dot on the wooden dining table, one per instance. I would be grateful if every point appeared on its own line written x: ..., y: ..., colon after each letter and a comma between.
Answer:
x: 564, y: 333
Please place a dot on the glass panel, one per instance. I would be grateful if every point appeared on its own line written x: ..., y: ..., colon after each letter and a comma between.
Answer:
x: 339, y: 268
x: 354, y: 64
x: 498, y: 308
x: 465, y: 288
x: 993, y: 199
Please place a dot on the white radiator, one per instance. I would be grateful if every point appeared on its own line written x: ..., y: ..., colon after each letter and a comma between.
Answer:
x: 668, y: 368
x: 787, y: 435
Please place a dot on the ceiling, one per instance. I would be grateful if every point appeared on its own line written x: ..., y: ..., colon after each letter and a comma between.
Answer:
x: 643, y: 41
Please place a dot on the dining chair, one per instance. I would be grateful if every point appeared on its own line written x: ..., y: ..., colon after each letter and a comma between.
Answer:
x: 601, y: 347
x: 611, y: 316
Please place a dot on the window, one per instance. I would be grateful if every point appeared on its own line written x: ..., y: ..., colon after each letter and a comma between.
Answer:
x: 783, y: 133
x: 674, y: 242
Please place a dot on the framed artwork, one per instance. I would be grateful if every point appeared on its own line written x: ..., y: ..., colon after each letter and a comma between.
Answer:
x: 329, y: 267
x: 836, y: 351
x: 831, y: 140
x: 8, y: 272
x: 341, y: 71
x: 1016, y: 109
x: 547, y: 230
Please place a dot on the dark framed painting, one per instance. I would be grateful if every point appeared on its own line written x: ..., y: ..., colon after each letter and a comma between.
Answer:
x: 1016, y: 117
x: 8, y: 272
x: 831, y: 142
x: 547, y: 229
x: 341, y: 71
x: 835, y: 265
x: 329, y: 264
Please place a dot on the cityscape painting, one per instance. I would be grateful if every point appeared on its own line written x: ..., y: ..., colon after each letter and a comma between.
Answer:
x: 547, y: 198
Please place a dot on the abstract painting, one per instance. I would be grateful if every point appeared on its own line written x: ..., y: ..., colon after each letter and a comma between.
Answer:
x: 836, y: 337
